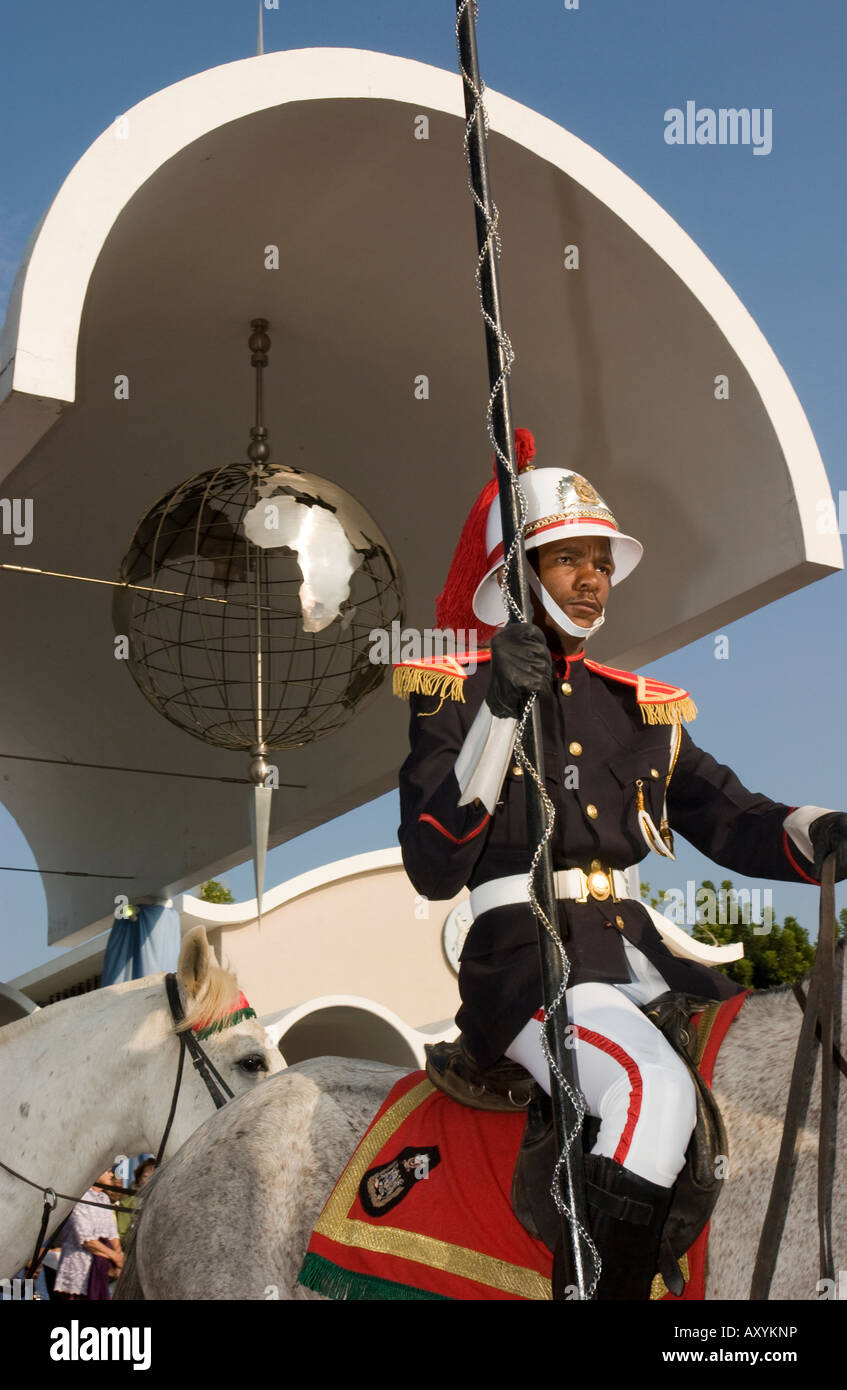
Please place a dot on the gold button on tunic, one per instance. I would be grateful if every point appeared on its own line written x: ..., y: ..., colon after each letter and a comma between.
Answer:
x: 575, y: 748
x: 592, y: 811
x: 566, y: 687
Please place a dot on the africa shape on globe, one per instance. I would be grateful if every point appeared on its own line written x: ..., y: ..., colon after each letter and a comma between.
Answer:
x: 325, y: 556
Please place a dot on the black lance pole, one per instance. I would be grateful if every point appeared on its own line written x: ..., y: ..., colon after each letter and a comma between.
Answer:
x: 565, y: 1117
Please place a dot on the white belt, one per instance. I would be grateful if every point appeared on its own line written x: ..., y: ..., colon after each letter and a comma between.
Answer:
x: 570, y: 883
x: 601, y: 885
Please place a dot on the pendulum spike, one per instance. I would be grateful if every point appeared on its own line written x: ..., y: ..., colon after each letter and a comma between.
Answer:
x: 260, y: 823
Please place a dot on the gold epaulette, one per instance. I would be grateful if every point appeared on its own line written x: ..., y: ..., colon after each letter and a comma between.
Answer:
x: 436, y: 675
x: 659, y: 703
x: 445, y: 676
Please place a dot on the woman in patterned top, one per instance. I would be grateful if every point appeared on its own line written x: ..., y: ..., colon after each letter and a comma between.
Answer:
x: 89, y: 1231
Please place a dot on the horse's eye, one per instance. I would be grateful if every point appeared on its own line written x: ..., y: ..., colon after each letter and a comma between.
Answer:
x: 255, y: 1062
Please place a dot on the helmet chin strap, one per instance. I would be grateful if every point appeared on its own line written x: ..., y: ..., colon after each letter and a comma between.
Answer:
x: 555, y: 612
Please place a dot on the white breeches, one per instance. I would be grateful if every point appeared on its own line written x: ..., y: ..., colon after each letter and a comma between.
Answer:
x: 629, y: 1074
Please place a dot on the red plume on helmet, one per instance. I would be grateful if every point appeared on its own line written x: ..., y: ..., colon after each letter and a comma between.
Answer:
x: 454, y: 606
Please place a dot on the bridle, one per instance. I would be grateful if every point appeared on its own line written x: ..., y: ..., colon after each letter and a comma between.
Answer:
x: 209, y: 1075
x: 204, y: 1066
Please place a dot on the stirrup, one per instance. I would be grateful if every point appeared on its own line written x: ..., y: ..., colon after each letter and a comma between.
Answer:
x: 506, y: 1087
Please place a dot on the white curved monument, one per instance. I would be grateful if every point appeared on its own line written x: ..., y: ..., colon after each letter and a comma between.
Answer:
x: 325, y: 190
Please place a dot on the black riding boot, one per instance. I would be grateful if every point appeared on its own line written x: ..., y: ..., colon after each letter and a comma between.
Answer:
x: 626, y: 1214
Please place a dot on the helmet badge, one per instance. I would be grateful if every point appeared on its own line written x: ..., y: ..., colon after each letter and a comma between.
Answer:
x: 581, y: 486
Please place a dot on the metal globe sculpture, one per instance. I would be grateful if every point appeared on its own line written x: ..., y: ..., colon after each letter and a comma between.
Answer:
x: 248, y: 597
x: 254, y: 590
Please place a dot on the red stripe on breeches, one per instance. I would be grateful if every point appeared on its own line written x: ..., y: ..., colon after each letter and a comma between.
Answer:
x: 630, y: 1076
x: 636, y: 1088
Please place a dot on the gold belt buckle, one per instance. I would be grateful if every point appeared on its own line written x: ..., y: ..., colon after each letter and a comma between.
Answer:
x: 600, y: 882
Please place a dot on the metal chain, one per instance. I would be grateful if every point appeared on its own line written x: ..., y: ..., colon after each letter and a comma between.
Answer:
x: 492, y: 247
x: 575, y: 1097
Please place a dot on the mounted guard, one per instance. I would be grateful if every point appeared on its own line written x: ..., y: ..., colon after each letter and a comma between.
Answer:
x: 623, y: 775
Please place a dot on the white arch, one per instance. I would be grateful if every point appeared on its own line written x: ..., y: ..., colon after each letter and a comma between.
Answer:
x: 346, y: 1018
x: 38, y: 345
x: 234, y: 914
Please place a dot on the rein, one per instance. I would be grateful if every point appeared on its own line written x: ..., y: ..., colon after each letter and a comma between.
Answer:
x: 211, y: 1078
x: 817, y: 1025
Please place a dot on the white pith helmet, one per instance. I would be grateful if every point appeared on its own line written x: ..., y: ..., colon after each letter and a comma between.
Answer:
x: 560, y: 504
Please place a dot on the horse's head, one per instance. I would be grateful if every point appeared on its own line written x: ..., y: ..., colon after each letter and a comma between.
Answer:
x: 221, y: 1018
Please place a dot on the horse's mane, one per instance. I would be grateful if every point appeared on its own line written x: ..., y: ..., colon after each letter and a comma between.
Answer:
x: 220, y: 997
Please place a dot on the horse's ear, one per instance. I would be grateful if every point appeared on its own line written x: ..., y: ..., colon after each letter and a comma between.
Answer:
x: 195, y: 958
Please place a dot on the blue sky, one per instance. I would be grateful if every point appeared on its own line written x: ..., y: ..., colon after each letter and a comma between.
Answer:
x: 773, y: 226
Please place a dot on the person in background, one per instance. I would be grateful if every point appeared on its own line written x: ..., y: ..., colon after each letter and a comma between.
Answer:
x: 104, y: 1267
x: 90, y: 1230
x: 143, y: 1174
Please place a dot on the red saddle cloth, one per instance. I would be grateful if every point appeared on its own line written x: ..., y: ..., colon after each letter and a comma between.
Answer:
x: 423, y: 1209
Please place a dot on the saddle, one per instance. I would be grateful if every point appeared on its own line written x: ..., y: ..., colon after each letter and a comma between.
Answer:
x: 508, y: 1087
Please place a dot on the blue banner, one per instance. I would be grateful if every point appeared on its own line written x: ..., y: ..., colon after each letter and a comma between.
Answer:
x: 143, y: 945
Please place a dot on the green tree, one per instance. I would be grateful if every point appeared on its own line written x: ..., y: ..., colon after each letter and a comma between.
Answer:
x: 649, y: 897
x: 213, y: 892
x: 774, y: 953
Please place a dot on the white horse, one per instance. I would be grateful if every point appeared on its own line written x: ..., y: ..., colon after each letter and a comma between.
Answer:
x: 231, y: 1215
x: 93, y: 1076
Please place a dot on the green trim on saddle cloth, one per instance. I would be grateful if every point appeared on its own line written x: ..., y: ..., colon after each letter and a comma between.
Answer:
x: 324, y: 1277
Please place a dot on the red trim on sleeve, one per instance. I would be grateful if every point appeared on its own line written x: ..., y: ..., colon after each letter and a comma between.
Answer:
x: 430, y: 820
x: 793, y: 862
x: 630, y: 1066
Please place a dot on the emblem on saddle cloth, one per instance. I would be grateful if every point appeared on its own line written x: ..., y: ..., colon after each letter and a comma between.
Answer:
x: 382, y: 1188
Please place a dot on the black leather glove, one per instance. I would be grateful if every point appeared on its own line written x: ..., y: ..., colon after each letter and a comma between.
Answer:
x: 520, y: 664
x: 828, y: 835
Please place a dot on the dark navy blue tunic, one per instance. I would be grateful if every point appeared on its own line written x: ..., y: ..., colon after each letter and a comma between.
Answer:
x: 447, y: 847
